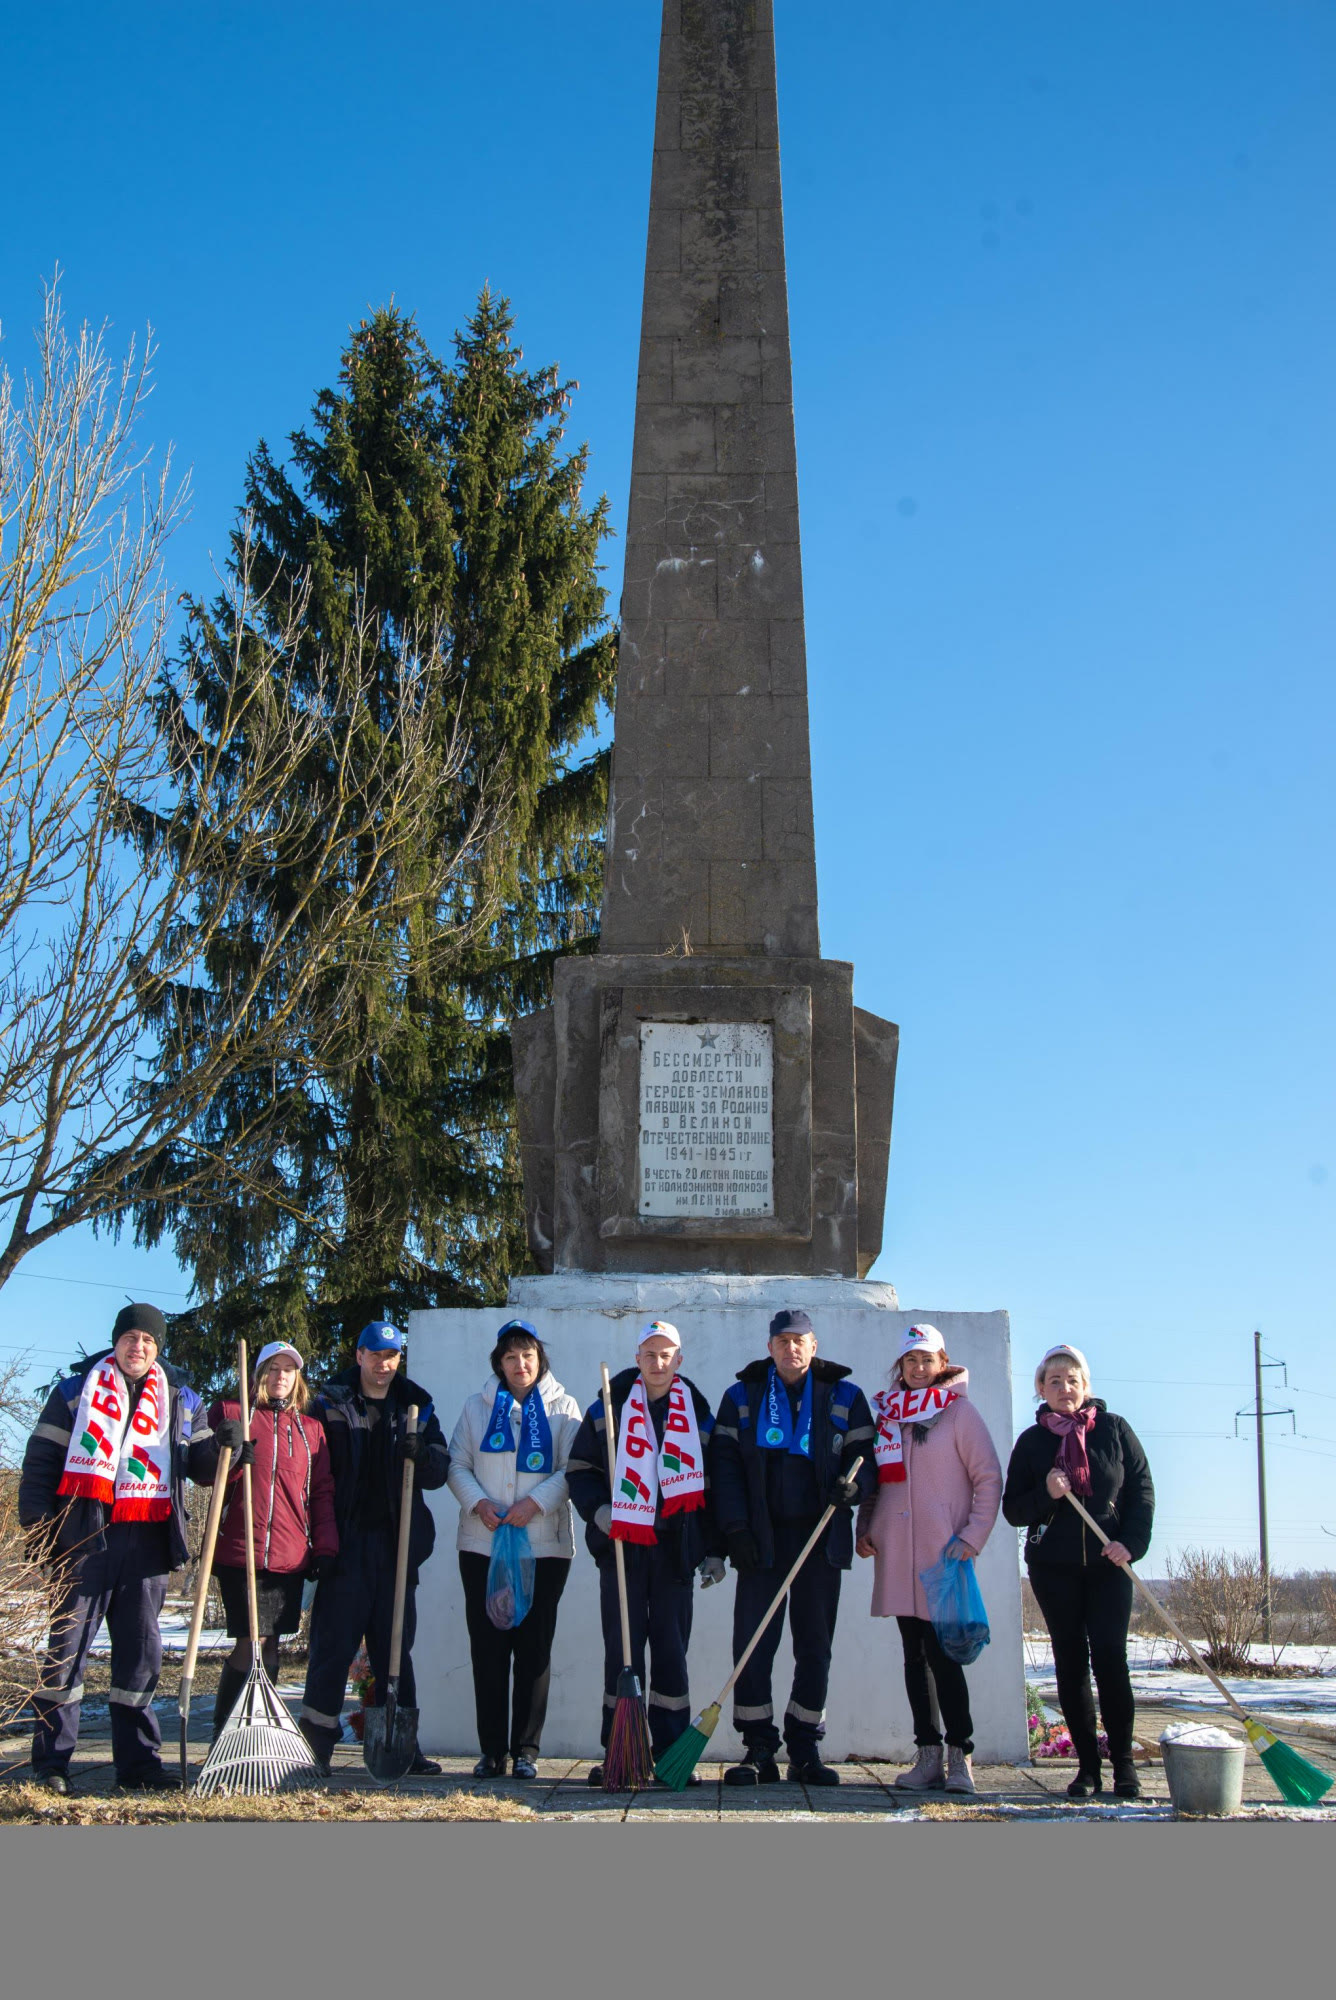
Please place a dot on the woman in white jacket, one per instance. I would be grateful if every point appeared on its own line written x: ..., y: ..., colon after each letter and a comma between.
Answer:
x: 508, y: 1463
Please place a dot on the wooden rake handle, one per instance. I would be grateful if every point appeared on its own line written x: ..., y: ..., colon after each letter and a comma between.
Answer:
x: 401, y: 1553
x: 619, y: 1553
x: 783, y: 1590
x: 215, y: 1515
x: 1160, y: 1611
x: 248, y: 1501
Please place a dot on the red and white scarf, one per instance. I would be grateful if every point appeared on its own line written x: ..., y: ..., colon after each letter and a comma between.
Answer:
x: 675, y: 1469
x: 122, y: 1460
x: 892, y: 1408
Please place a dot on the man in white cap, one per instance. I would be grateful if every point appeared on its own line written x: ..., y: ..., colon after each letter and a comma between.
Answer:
x: 658, y: 1506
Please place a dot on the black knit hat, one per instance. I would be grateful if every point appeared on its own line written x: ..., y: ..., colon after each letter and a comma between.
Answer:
x: 140, y: 1319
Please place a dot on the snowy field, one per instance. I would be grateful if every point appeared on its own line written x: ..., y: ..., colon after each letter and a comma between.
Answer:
x: 1155, y: 1680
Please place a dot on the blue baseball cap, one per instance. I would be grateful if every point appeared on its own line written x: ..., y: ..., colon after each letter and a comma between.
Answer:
x: 380, y: 1337
x: 524, y: 1326
x: 792, y: 1321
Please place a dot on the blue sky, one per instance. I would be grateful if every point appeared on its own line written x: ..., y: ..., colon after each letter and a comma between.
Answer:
x: 1062, y: 302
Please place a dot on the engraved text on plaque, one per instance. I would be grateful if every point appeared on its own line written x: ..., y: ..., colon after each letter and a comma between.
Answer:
x: 707, y: 1143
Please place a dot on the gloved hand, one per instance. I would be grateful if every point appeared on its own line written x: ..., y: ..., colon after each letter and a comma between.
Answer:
x: 846, y: 1493
x: 321, y: 1566
x: 227, y: 1433
x: 603, y: 1517
x: 742, y: 1550
x: 413, y: 1446
x: 39, y: 1541
x: 710, y: 1570
x: 246, y: 1456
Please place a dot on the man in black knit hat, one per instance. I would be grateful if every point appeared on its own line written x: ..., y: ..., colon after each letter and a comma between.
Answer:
x: 102, y: 1497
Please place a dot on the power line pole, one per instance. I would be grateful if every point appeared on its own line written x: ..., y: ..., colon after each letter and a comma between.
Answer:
x: 1259, y: 1414
x: 1261, y: 1491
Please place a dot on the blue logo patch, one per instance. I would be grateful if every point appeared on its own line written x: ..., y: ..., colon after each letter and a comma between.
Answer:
x: 774, y: 1435
x: 534, y: 1461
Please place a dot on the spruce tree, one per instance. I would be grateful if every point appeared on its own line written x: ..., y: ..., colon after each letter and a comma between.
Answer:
x: 440, y: 497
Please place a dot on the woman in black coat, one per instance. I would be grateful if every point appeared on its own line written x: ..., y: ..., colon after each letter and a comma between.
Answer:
x: 1082, y: 1586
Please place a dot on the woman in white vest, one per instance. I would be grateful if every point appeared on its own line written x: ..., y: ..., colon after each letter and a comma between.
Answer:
x: 508, y: 1464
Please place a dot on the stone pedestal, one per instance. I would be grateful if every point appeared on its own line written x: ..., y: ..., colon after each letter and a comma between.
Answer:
x: 585, y: 1320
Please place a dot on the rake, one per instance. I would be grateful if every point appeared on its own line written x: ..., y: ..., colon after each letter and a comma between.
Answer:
x: 680, y: 1759
x: 207, y: 1546
x: 1298, y: 1782
x: 261, y: 1748
x: 628, y: 1761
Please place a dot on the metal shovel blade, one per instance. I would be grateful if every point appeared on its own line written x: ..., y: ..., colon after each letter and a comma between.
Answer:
x: 390, y: 1740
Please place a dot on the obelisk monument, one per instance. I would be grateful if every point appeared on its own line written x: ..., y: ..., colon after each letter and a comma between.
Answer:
x: 703, y: 1095
x: 705, y: 1116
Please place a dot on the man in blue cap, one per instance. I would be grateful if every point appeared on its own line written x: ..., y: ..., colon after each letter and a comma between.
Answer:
x: 365, y: 1414
x: 785, y: 1440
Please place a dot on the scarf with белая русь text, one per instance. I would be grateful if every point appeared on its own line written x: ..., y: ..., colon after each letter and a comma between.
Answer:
x: 893, y: 1408
x: 645, y: 1469
x: 535, y: 1445
x: 122, y: 1460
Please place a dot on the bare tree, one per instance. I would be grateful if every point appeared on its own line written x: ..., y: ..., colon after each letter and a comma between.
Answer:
x: 134, y: 842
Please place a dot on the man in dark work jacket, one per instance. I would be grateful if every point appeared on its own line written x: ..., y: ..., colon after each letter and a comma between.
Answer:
x: 365, y: 1415
x: 785, y: 1438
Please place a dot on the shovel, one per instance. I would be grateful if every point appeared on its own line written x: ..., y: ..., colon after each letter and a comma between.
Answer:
x: 389, y: 1738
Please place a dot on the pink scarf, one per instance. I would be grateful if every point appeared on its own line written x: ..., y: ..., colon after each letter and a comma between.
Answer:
x: 1071, y: 1457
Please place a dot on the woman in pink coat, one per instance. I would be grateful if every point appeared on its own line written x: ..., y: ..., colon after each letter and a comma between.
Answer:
x: 940, y: 1486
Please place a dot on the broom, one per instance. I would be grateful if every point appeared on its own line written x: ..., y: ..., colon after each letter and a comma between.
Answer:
x: 1298, y: 1782
x: 680, y: 1759
x: 261, y: 1749
x: 628, y: 1761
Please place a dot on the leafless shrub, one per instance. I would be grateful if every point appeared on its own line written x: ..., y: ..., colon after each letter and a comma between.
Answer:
x: 137, y: 835
x: 1219, y: 1597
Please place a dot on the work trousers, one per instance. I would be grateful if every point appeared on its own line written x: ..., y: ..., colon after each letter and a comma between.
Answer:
x: 660, y: 1606
x: 512, y: 1722
x: 1087, y: 1608
x: 104, y: 1585
x: 357, y: 1602
x: 813, y: 1602
x: 926, y: 1667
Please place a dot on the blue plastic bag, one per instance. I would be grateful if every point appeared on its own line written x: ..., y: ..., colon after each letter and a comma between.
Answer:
x: 956, y: 1608
x: 510, y: 1578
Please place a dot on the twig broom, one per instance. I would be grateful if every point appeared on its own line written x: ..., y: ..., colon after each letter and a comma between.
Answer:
x: 261, y: 1749
x: 680, y: 1759
x: 1298, y: 1782
x: 628, y: 1761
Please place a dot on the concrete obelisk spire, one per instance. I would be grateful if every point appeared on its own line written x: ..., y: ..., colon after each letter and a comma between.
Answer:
x: 710, y: 831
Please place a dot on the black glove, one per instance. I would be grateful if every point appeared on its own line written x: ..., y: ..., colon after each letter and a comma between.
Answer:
x: 742, y: 1550
x: 246, y: 1456
x: 846, y: 1493
x: 413, y: 1445
x: 227, y: 1432
x: 39, y: 1541
x: 321, y: 1566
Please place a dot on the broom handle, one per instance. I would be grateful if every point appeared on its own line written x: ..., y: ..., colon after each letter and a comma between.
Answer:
x: 619, y: 1554
x: 248, y: 1502
x: 783, y: 1590
x: 205, y: 1570
x: 1160, y: 1611
x: 401, y: 1554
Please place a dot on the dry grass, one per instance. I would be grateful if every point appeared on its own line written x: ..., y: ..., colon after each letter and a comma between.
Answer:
x: 31, y: 1805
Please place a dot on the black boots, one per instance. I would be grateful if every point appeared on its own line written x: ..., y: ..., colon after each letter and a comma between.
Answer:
x: 230, y: 1683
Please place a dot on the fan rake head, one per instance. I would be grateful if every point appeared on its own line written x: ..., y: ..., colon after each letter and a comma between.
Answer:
x: 261, y: 1749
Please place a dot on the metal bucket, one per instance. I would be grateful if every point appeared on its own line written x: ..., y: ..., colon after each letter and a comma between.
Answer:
x: 1204, y: 1779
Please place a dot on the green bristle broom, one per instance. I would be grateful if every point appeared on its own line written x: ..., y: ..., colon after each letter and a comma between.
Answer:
x: 1298, y: 1782
x: 680, y: 1759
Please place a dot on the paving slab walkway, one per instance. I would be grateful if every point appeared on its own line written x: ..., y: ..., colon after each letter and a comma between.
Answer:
x: 561, y: 1792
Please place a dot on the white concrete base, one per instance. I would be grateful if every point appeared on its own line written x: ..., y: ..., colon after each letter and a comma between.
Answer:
x: 585, y: 1320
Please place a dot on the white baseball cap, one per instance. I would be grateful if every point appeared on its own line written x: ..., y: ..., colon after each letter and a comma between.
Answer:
x: 659, y: 1329
x: 275, y: 1348
x: 921, y: 1340
x: 1071, y: 1354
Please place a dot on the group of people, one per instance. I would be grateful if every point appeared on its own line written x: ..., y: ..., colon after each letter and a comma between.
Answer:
x: 907, y: 1478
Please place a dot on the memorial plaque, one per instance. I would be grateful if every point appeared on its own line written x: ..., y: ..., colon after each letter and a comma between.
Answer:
x: 707, y: 1143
